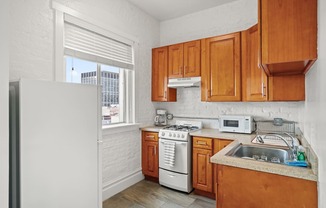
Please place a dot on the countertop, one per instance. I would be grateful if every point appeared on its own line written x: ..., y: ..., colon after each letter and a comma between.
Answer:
x: 152, y: 128
x: 222, y: 159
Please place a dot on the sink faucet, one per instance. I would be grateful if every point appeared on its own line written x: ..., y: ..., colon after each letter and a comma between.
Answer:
x: 291, y: 147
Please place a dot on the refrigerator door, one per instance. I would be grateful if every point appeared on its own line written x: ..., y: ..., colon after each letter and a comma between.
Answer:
x: 58, y: 145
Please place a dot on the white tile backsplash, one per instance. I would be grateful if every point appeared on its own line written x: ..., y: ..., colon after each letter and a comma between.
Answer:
x: 189, y: 105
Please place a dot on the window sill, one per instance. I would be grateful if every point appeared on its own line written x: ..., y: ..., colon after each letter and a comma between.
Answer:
x: 119, y: 128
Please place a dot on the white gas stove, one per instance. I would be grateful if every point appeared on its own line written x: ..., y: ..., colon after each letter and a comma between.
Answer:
x: 175, y: 155
x: 180, y: 131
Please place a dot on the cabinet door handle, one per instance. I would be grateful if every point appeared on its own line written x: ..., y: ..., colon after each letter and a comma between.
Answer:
x: 165, y: 94
x: 155, y: 151
x: 201, y: 143
x: 263, y: 89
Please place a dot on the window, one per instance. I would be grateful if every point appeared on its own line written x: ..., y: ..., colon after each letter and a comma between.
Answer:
x: 91, y: 57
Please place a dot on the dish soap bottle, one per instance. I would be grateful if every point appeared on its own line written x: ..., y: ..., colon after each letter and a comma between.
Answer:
x: 301, y: 153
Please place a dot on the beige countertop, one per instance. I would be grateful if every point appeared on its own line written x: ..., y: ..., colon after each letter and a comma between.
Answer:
x: 152, y: 128
x: 222, y: 159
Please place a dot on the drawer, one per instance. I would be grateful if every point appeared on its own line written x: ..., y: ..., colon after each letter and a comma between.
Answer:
x: 150, y: 136
x: 203, y: 143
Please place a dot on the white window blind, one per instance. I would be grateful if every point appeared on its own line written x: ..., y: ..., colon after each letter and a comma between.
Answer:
x: 85, y: 44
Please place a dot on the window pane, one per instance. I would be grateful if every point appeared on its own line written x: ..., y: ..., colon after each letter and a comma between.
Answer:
x: 112, y: 94
x: 80, y: 71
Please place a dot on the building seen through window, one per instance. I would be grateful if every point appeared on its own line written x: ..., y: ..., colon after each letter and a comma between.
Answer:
x: 86, y: 72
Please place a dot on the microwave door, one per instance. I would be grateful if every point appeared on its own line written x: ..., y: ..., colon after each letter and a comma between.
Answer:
x: 231, y: 123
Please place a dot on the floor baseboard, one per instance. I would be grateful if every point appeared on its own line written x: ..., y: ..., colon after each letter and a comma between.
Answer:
x: 120, y: 185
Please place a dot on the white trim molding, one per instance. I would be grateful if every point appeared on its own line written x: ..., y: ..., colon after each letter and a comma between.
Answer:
x: 59, y: 65
x: 112, y: 188
x: 119, y: 128
x: 75, y: 14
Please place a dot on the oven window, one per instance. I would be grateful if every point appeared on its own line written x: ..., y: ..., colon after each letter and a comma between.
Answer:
x: 231, y: 123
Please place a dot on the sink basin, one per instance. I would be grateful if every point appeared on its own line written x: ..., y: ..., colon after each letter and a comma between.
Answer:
x: 265, y: 154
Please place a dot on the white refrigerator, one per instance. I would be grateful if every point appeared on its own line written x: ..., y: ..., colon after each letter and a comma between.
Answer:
x: 54, y: 145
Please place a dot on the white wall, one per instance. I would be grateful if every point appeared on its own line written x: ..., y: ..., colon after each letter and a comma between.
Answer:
x: 4, y: 128
x: 224, y: 19
x: 315, y: 111
x: 32, y: 56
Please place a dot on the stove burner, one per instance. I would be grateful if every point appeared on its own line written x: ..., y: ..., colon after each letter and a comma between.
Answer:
x: 181, y: 128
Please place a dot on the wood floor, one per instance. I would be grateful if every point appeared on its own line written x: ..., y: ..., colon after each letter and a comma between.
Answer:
x: 152, y: 195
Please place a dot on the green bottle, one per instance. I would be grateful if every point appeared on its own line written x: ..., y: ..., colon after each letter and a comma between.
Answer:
x: 301, y: 156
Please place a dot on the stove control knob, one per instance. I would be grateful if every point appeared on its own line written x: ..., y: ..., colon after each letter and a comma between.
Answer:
x: 182, y: 136
x: 173, y: 135
x: 170, y: 134
x: 163, y: 133
x: 178, y: 136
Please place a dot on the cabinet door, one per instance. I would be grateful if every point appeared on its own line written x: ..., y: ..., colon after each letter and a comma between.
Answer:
x: 219, y: 144
x: 192, y: 59
x: 176, y: 61
x: 223, y: 143
x: 150, y: 158
x: 202, y: 170
x: 160, y: 90
x: 239, y: 187
x: 221, y: 68
x: 287, y: 88
x: 288, y: 35
x: 150, y: 153
x: 254, y: 79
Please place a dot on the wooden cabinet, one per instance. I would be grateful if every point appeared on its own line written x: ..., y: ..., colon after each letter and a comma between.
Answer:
x: 203, y: 175
x: 150, y: 154
x: 287, y: 88
x: 256, y: 86
x: 249, y: 189
x: 254, y: 78
x: 288, y: 35
x: 202, y: 170
x: 218, y: 146
x: 184, y: 60
x: 160, y: 90
x: 221, y: 75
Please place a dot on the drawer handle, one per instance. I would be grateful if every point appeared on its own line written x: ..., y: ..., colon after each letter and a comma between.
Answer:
x: 201, y: 143
x: 150, y: 137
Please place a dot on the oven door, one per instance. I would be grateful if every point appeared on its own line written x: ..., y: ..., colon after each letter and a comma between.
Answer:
x: 182, y: 156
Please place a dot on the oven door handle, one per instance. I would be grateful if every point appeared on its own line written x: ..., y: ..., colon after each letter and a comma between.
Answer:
x: 182, y: 143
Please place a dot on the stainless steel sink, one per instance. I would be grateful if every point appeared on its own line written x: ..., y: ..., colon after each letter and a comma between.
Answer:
x: 265, y: 154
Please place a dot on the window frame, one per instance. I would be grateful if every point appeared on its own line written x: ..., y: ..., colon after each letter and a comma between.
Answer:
x: 62, y: 12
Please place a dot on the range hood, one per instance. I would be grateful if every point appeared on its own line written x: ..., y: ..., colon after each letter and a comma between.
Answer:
x: 184, y: 82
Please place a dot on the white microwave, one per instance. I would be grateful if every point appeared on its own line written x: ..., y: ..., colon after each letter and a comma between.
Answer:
x: 237, y: 124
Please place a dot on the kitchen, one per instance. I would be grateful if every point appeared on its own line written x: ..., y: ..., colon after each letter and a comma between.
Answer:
x: 31, y: 45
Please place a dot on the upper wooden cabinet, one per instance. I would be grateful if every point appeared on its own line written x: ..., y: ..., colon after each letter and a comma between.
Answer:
x: 254, y: 79
x: 184, y: 59
x: 221, y: 68
x: 287, y: 88
x: 288, y: 35
x: 160, y: 90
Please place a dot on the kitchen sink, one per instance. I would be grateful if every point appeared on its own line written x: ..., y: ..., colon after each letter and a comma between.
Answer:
x: 264, y: 154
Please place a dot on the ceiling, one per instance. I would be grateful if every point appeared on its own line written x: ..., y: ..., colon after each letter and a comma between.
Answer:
x: 169, y: 9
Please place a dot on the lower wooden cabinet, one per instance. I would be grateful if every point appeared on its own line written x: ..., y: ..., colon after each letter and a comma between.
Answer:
x: 202, y: 170
x: 245, y: 188
x: 150, y: 154
x: 203, y: 175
